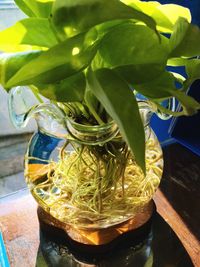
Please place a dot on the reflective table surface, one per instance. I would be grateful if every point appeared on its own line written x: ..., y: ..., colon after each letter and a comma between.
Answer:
x: 161, y: 248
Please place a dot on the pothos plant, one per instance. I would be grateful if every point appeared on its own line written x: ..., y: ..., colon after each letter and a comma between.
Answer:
x: 91, y: 56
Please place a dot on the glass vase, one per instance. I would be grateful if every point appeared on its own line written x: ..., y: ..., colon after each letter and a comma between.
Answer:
x: 85, y: 178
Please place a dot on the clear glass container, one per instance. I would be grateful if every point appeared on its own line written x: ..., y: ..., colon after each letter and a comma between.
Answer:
x: 85, y: 176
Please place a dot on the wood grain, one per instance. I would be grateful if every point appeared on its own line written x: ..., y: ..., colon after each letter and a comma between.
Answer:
x: 188, y: 239
x: 179, y: 197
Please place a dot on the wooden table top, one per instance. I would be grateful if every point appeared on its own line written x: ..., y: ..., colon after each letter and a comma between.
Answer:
x: 20, y: 228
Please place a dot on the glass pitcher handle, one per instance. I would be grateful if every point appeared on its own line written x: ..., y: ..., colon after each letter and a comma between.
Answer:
x: 169, y: 104
x: 21, y: 102
x: 150, y: 108
x: 24, y: 104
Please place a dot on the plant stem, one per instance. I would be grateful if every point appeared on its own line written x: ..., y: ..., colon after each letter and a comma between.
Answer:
x: 94, y: 113
x: 99, y: 186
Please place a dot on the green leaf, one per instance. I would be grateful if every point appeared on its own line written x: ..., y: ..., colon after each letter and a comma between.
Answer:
x: 74, y: 16
x: 175, y: 62
x: 193, y: 69
x: 23, y: 5
x: 10, y: 63
x: 127, y: 44
x: 71, y: 89
x: 31, y: 31
x: 58, y: 63
x: 113, y: 92
x: 185, y: 40
x: 35, y: 8
x: 161, y: 87
x: 193, y: 72
x: 165, y: 16
x: 92, y: 103
x: 98, y: 62
x: 90, y: 99
x: 140, y: 73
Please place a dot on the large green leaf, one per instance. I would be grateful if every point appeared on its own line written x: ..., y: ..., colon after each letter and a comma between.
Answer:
x: 58, y: 63
x: 120, y: 103
x: 132, y: 73
x: 31, y: 31
x: 71, y: 89
x: 140, y: 73
x: 185, y: 39
x: 164, y: 15
x: 159, y: 87
x: 35, y: 8
x: 10, y: 63
x: 131, y: 44
x: 74, y: 16
x: 164, y: 87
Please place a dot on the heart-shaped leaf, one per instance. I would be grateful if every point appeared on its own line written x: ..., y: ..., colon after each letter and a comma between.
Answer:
x: 159, y: 87
x: 127, y: 44
x: 140, y: 73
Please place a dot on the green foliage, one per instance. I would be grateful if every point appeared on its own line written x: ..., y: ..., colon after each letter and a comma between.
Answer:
x: 119, y: 45
x: 11, y: 63
x: 126, y: 44
x: 124, y: 48
x: 57, y: 63
x: 193, y: 68
x: 71, y: 89
x: 160, y: 87
x: 165, y: 16
x: 185, y: 39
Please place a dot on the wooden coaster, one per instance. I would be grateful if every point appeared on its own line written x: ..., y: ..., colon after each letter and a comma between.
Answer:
x: 97, y: 237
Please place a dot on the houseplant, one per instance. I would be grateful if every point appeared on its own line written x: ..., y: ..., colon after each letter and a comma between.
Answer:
x: 91, y: 58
